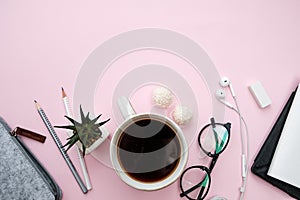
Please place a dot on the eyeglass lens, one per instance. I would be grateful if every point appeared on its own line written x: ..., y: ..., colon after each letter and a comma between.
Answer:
x: 213, y: 139
x: 195, y: 182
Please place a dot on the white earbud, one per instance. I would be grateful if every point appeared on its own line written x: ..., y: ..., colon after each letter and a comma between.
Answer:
x: 220, y: 94
x: 224, y: 82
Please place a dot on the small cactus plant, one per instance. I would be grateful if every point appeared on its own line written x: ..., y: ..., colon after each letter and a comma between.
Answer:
x: 87, y: 132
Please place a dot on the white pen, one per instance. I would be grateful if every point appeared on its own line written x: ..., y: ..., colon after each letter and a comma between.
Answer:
x: 81, y: 159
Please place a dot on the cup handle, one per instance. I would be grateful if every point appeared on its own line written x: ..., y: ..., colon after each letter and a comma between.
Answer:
x: 125, y: 107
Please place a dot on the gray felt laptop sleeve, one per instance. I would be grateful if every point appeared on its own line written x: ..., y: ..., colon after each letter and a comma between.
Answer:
x: 21, y: 175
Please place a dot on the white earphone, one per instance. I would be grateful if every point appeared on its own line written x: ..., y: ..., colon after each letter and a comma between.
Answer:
x: 225, y: 82
x: 220, y: 95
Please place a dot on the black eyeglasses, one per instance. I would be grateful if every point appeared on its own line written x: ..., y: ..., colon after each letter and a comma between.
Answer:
x: 195, y: 180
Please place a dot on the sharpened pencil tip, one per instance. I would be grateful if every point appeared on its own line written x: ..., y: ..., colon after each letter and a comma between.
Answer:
x: 37, y: 105
x: 63, y: 92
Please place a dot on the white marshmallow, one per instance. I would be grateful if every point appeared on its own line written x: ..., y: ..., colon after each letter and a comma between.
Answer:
x: 162, y: 97
x: 182, y: 115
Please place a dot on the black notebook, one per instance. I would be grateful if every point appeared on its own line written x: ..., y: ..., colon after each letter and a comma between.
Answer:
x: 263, y: 159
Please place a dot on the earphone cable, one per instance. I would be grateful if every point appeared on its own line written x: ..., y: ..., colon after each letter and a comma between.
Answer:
x: 225, y: 82
x: 245, y: 151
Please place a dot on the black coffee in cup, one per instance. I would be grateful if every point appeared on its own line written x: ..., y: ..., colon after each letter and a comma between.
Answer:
x: 149, y: 150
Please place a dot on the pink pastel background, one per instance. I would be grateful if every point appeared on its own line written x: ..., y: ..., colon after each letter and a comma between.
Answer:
x: 44, y: 44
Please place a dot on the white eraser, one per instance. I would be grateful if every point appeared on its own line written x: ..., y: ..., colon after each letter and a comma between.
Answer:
x: 259, y: 94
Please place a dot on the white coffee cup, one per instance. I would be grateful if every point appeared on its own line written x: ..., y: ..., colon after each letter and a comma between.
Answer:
x: 147, y: 168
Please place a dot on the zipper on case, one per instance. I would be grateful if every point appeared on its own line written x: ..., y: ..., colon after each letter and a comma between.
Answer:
x: 29, y: 134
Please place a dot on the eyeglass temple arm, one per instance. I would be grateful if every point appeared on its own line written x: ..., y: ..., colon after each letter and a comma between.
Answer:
x: 191, y: 189
x: 213, y: 162
x: 203, y: 185
x: 218, y: 148
x: 199, y: 197
x: 213, y: 124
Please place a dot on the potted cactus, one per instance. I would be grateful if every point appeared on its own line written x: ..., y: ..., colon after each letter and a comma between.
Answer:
x: 88, y: 132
